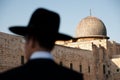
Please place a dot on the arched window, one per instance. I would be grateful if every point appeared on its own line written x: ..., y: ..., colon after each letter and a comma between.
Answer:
x: 61, y: 63
x: 88, y: 69
x: 80, y: 68
x: 22, y: 59
x: 104, y: 69
x: 71, y: 66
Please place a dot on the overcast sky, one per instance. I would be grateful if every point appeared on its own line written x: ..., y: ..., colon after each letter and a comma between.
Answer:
x: 18, y: 12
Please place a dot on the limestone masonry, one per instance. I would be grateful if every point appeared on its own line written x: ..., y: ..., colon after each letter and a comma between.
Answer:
x: 11, y: 51
x: 90, y: 53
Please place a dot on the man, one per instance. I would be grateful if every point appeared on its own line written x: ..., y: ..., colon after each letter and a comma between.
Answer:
x: 40, y: 35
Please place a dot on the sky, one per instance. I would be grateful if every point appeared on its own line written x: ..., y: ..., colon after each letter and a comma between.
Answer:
x: 18, y: 12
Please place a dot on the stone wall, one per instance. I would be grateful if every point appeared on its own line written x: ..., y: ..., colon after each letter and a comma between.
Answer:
x: 11, y: 51
x: 114, y: 59
x: 96, y: 59
x: 76, y: 59
x: 94, y: 56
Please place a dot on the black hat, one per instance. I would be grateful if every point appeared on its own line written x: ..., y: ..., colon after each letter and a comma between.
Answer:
x: 43, y: 23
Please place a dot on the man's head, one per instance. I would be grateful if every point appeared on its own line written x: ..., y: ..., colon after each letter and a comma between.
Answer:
x: 42, y: 30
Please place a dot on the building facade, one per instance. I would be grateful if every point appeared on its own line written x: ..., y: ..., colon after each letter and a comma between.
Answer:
x: 90, y: 53
x: 11, y: 51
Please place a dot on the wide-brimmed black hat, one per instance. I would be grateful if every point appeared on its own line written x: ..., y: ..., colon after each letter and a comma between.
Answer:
x: 43, y: 23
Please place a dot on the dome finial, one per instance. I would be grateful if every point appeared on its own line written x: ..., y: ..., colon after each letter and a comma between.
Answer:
x: 90, y: 13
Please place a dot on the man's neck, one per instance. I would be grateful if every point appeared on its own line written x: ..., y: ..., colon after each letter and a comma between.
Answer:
x: 41, y: 54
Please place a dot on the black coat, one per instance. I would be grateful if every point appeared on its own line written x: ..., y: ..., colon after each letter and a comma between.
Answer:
x: 41, y: 69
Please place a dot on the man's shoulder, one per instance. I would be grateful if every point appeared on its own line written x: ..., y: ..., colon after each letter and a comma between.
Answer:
x: 13, y: 70
x: 71, y: 73
x: 11, y: 73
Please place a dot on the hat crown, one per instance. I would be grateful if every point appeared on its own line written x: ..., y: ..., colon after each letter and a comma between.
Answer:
x: 44, y: 21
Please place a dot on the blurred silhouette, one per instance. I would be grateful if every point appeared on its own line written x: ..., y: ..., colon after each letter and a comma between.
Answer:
x: 40, y: 35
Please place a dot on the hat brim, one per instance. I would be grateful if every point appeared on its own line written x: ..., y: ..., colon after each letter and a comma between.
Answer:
x: 19, y: 30
x: 22, y: 30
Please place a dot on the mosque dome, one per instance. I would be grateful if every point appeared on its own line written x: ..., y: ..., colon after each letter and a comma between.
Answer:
x: 91, y: 27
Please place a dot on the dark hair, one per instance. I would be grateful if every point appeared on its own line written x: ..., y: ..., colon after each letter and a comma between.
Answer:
x: 45, y: 42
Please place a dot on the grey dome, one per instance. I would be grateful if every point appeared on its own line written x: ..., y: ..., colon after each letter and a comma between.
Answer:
x: 91, y: 27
